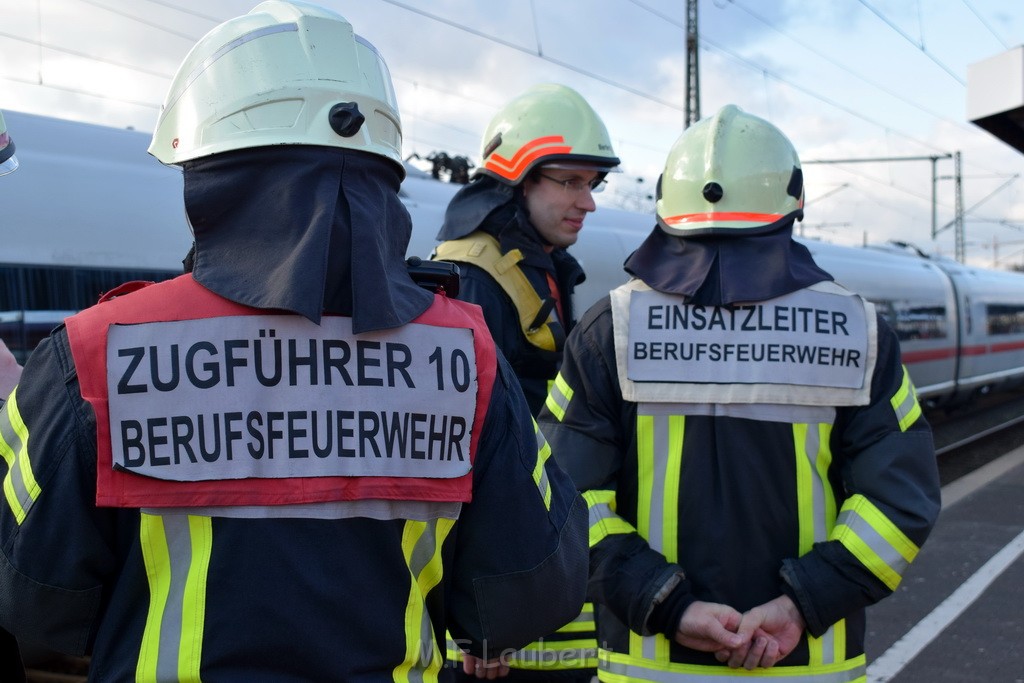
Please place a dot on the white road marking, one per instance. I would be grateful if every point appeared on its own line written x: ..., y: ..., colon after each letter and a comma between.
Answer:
x: 903, y: 651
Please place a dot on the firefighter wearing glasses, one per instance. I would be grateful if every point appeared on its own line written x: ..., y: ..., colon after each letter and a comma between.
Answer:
x: 291, y: 463
x: 544, y: 156
x: 757, y: 466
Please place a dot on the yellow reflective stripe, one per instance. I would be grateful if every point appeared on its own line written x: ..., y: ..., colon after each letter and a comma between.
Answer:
x: 616, y: 667
x: 20, y: 487
x: 421, y: 545
x: 454, y: 653
x: 839, y: 640
x: 583, y: 622
x: 156, y: 557
x: 816, y: 503
x: 904, y: 402
x: 557, y: 656
x: 559, y: 395
x: 824, y: 463
x: 645, y: 472
x: 659, y: 443
x: 176, y: 551
x: 874, y: 540
x: 670, y: 484
x: 804, y: 490
x: 194, y: 599
x: 816, y: 510
x: 830, y: 647
x: 603, y: 520
x: 540, y: 474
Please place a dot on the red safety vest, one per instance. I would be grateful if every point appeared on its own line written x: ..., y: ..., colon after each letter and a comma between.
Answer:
x: 183, y: 299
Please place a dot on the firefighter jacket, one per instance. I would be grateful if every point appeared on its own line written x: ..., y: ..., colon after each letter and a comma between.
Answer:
x: 166, y: 515
x: 526, y: 293
x: 735, y: 453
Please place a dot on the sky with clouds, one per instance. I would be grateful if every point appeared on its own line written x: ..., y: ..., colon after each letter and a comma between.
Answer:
x: 844, y: 79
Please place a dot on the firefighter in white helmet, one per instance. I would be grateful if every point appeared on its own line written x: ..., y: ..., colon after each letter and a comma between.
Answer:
x: 544, y: 156
x: 291, y: 462
x: 756, y: 463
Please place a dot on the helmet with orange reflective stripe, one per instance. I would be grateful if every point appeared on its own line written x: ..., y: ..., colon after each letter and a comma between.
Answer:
x: 549, y: 125
x: 731, y: 173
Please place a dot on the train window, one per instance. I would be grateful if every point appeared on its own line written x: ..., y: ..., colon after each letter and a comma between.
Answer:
x: 914, y: 322
x: 35, y: 299
x: 1005, y: 318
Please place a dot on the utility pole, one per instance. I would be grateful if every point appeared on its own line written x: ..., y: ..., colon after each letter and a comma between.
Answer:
x: 958, y: 219
x: 692, y: 70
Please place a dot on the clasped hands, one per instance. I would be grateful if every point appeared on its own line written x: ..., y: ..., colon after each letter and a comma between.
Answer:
x: 760, y: 637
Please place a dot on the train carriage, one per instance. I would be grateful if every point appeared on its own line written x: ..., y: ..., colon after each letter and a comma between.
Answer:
x: 89, y: 208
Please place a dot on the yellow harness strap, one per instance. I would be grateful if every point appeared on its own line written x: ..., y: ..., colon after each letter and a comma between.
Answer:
x: 482, y: 250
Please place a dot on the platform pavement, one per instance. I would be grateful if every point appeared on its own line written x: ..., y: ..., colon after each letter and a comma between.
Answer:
x: 958, y: 616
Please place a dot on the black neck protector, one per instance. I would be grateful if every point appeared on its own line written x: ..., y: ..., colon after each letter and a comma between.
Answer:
x: 720, y: 270
x: 305, y: 229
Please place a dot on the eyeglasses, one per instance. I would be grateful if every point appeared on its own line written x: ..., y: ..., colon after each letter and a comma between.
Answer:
x: 577, y: 185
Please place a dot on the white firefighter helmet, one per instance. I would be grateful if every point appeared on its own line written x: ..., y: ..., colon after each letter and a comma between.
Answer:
x: 731, y: 173
x: 286, y: 73
x: 550, y: 125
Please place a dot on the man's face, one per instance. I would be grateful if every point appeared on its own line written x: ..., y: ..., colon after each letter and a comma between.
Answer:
x: 557, y: 212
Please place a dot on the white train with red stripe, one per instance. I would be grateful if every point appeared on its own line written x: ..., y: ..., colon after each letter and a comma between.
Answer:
x: 89, y: 206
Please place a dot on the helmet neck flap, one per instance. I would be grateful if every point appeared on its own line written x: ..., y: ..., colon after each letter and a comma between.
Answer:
x: 721, y: 270
x: 304, y: 229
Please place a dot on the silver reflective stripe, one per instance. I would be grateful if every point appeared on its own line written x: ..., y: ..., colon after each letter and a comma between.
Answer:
x: 904, y: 402
x: 598, y: 512
x: 558, y: 397
x: 885, y: 550
x: 655, y: 532
x: 709, y: 674
x: 14, y: 449
x: 812, y: 444
x: 818, y: 489
x: 827, y: 642
x: 240, y: 40
x: 653, y: 476
x: 541, y: 475
x: 422, y: 553
x: 179, y: 555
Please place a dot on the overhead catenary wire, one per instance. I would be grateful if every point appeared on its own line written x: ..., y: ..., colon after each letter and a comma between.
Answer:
x: 144, y: 22
x: 824, y: 55
x: 985, y: 23
x: 536, y: 51
x: 918, y: 44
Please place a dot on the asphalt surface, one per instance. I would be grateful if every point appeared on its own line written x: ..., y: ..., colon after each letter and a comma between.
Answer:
x: 959, y: 613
